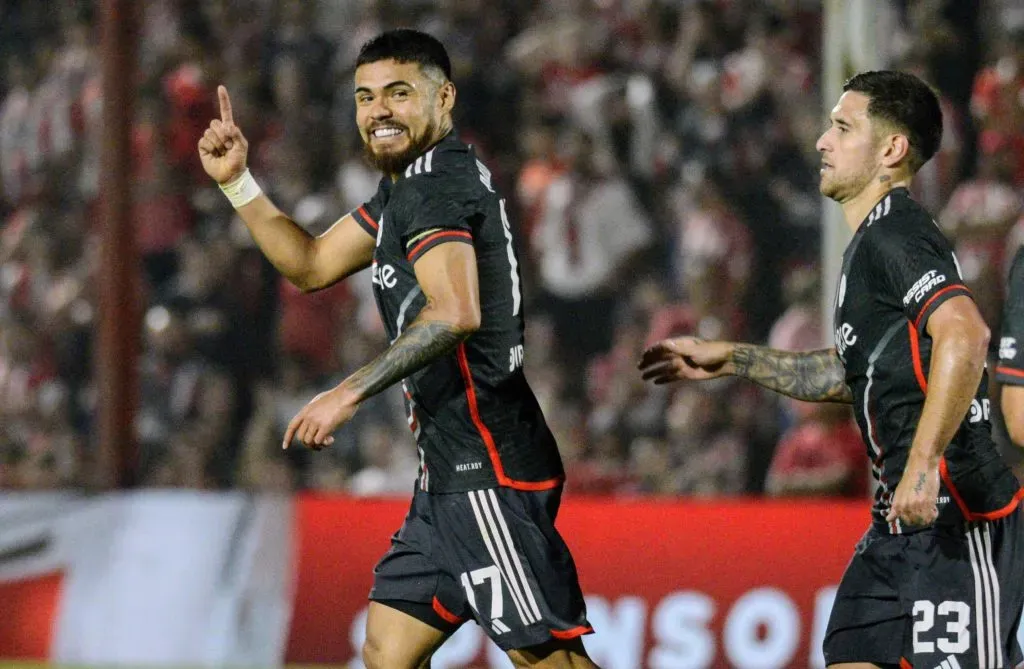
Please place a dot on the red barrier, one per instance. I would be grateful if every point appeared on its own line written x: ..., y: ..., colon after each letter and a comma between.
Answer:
x: 29, y: 611
x: 669, y: 583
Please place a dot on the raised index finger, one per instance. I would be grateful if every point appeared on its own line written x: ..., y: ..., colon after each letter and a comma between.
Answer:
x: 225, y: 105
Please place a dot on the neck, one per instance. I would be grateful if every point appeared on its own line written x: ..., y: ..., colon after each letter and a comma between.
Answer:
x: 857, y: 208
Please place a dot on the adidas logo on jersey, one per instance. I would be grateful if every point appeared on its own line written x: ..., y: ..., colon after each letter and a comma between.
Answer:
x: 949, y: 663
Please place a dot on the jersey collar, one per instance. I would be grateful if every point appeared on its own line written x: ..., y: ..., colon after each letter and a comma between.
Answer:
x: 451, y: 139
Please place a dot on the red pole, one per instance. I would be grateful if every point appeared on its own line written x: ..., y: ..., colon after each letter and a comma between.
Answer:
x: 118, y: 327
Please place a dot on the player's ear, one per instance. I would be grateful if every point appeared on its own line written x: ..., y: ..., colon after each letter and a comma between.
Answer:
x: 446, y: 96
x: 896, y: 150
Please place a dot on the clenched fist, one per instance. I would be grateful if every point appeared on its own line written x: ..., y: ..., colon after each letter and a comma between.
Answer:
x: 223, y: 148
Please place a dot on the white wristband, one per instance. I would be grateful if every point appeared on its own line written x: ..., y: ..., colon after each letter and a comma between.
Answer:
x: 241, y: 191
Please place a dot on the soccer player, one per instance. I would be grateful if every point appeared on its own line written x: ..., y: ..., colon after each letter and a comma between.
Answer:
x: 938, y: 579
x: 1010, y: 371
x: 479, y: 540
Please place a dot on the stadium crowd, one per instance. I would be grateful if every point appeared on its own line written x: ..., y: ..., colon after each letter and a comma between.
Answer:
x: 659, y: 159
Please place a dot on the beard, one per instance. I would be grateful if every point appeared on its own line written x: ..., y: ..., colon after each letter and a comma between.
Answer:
x: 394, y: 162
x: 843, y: 189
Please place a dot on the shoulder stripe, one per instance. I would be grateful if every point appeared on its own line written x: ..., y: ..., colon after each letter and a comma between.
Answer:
x: 422, y: 165
x: 881, y: 210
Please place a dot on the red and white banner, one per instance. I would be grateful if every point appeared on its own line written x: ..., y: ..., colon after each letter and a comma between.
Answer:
x: 205, y: 580
x: 668, y: 583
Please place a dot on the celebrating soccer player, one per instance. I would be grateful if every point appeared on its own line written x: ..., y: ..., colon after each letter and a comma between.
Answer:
x: 479, y: 540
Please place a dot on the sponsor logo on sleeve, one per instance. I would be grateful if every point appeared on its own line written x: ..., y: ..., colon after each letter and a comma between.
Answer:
x: 1007, y: 348
x: 923, y: 286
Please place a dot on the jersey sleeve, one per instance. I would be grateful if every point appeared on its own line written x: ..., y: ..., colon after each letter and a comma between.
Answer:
x: 437, y: 209
x: 913, y: 265
x: 368, y: 214
x: 1010, y: 369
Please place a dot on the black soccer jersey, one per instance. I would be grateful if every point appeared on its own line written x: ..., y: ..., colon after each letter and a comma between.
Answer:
x: 1011, y: 360
x: 476, y: 421
x: 897, y: 270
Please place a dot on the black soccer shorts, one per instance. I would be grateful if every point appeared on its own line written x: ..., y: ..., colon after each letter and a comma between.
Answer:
x: 492, y: 555
x: 946, y: 598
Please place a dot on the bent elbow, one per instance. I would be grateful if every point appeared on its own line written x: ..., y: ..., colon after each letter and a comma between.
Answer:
x: 467, y: 324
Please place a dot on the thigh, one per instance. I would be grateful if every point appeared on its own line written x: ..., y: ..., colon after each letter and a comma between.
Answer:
x: 554, y: 654
x: 868, y: 621
x: 517, y: 576
x: 412, y: 575
x: 967, y: 595
x: 397, y: 640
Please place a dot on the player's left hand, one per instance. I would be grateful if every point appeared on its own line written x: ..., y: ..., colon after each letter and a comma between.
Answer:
x: 914, y: 502
x: 324, y: 414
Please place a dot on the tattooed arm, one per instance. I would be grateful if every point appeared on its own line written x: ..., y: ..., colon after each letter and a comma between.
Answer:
x: 421, y: 343
x: 812, y: 376
x: 448, y: 276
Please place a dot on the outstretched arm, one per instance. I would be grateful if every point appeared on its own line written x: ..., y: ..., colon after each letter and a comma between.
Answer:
x: 811, y: 376
x: 447, y: 274
x: 308, y: 262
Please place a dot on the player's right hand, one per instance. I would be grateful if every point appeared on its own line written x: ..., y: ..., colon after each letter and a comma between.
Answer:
x: 685, y: 358
x: 223, y: 148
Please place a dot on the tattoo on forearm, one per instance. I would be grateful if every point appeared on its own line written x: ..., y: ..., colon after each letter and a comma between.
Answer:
x: 812, y: 376
x: 420, y: 344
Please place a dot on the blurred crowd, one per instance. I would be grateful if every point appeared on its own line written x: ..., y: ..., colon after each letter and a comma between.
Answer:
x: 660, y: 159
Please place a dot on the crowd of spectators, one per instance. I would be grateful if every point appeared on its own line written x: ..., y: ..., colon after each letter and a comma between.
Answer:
x: 659, y: 157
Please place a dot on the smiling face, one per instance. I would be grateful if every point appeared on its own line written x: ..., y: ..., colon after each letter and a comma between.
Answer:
x: 401, y: 110
x: 850, y: 150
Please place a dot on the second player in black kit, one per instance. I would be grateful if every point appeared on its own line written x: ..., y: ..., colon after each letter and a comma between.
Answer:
x: 479, y: 541
x: 938, y: 578
x: 1010, y: 370
x: 897, y: 270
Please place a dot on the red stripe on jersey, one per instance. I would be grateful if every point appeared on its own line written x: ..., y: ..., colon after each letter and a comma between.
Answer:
x: 438, y: 235
x: 573, y: 633
x: 968, y: 514
x: 488, y: 438
x: 904, y: 664
x: 934, y: 297
x: 915, y: 353
x: 366, y: 217
x: 1010, y: 371
x: 447, y: 615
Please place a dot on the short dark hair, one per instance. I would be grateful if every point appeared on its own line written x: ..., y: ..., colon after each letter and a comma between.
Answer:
x: 406, y: 46
x: 907, y: 103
